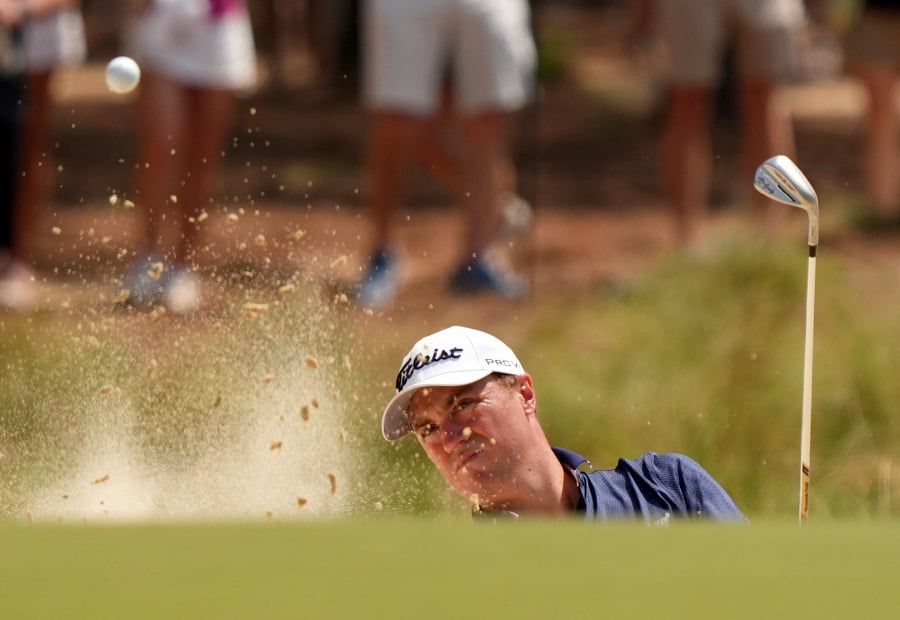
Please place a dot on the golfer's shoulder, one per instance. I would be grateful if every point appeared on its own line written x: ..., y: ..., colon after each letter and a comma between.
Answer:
x: 668, y: 464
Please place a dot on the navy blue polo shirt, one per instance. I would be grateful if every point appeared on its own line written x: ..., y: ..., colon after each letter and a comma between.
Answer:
x: 655, y: 487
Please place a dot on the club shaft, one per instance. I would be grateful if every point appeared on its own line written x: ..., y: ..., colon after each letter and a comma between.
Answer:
x: 806, y: 421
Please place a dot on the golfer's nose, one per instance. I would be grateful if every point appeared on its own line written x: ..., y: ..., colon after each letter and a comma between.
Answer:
x: 453, y: 432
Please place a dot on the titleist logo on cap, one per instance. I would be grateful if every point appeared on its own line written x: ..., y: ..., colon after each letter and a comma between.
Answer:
x: 412, y: 364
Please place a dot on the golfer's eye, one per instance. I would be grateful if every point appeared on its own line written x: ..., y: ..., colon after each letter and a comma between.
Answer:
x: 426, y: 429
x: 462, y: 403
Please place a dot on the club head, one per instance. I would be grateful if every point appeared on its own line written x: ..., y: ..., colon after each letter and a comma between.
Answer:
x: 780, y: 179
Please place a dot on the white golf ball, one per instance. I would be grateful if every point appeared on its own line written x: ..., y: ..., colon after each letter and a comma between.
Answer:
x: 122, y: 74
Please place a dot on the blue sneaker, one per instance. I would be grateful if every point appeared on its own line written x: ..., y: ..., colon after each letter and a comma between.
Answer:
x: 146, y: 282
x: 478, y: 276
x: 379, y: 285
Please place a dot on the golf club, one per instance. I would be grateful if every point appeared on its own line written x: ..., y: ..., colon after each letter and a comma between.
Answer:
x: 780, y: 179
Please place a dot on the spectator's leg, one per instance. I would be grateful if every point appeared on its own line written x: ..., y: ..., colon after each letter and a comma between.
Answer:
x: 881, y: 156
x: 438, y: 150
x: 486, y: 178
x: 211, y: 116
x: 160, y: 124
x: 766, y: 132
x: 34, y: 165
x: 395, y: 139
x: 686, y: 147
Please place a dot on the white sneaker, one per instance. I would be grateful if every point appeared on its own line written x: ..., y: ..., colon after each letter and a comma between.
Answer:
x: 182, y: 292
x: 518, y: 216
x: 18, y: 287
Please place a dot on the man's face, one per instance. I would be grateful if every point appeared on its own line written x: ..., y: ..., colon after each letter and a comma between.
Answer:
x: 477, y: 435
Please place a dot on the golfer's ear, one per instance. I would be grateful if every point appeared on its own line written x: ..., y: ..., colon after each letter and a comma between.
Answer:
x: 526, y: 391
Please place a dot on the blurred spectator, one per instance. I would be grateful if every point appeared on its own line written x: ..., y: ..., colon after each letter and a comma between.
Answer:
x: 695, y: 34
x: 45, y: 35
x: 11, y: 115
x: 336, y: 42
x: 195, y: 56
x: 873, y: 54
x: 426, y: 61
x: 309, y: 42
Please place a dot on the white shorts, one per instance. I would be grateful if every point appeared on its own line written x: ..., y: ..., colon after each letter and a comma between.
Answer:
x: 766, y: 33
x: 179, y: 40
x: 411, y: 45
x: 54, y: 40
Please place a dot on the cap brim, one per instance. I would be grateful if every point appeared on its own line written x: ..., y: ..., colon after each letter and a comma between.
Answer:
x: 394, y: 421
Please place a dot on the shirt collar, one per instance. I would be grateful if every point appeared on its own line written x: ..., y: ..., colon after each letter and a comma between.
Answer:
x: 570, y: 459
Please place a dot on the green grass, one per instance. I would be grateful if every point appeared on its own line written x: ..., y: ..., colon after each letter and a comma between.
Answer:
x: 448, y: 569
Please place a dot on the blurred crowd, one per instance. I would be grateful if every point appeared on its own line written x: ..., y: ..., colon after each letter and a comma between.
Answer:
x: 441, y: 82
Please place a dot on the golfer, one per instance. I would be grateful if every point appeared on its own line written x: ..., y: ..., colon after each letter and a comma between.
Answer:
x: 473, y: 408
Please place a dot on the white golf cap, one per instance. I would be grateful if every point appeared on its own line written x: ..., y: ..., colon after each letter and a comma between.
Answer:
x: 453, y: 356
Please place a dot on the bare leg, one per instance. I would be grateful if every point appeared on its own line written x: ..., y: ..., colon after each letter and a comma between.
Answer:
x: 686, y: 153
x: 882, y: 159
x: 440, y: 157
x: 211, y: 113
x: 767, y: 132
x: 160, y: 108
x: 443, y: 155
x: 486, y: 174
x: 439, y: 152
x: 17, y: 286
x: 394, y: 141
x: 35, y: 163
